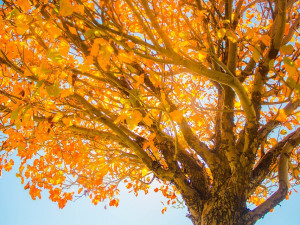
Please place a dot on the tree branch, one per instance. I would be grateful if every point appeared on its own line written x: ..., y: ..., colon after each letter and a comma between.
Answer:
x: 292, y: 31
x: 132, y: 144
x: 200, y: 70
x: 282, y: 191
x: 156, y: 26
x: 263, y: 167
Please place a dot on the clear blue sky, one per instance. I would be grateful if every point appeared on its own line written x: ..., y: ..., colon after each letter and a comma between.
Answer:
x: 17, y: 208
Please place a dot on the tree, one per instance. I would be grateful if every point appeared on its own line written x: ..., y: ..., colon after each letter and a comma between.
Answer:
x: 202, y: 96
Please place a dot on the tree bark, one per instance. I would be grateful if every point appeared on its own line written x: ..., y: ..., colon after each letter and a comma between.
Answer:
x: 224, y: 208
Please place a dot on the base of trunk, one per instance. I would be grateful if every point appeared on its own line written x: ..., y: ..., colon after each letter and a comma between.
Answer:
x: 222, y: 209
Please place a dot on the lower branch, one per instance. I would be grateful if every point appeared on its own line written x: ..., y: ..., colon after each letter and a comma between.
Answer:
x: 282, y: 191
x: 264, y: 166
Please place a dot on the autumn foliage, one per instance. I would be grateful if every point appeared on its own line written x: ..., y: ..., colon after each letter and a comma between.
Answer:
x: 200, y: 97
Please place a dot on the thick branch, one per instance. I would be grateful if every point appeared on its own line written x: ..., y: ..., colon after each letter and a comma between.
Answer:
x: 272, y: 124
x: 292, y: 31
x: 228, y: 137
x: 193, y: 141
x: 263, y: 69
x: 282, y: 191
x: 264, y: 166
x: 231, y: 81
x: 155, y: 24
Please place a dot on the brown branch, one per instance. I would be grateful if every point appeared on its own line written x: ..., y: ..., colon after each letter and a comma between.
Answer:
x: 292, y: 31
x: 156, y: 26
x: 263, y: 167
x: 272, y: 124
x: 141, y: 21
x: 193, y: 141
x: 197, y: 69
x: 122, y: 133
x: 283, y: 177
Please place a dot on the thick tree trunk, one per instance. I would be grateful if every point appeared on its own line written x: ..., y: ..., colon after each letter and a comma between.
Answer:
x: 223, y: 208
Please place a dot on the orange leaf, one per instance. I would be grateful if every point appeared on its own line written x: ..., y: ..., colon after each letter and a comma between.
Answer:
x: 282, y: 116
x: 66, y: 8
x: 114, y: 202
x: 176, y: 116
x: 27, y: 186
x: 289, y: 126
x: 147, y: 120
x: 266, y: 39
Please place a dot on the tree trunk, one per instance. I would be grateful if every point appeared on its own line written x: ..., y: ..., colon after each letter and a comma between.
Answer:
x: 223, y: 208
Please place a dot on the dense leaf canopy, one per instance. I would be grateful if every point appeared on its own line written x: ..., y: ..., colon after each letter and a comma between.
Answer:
x: 195, y: 94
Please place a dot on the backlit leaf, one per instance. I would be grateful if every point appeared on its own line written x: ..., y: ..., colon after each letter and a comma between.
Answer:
x: 290, y: 66
x: 53, y: 90
x: 134, y: 119
x: 232, y: 36
x: 15, y: 113
x: 221, y: 33
x: 176, y: 116
x: 66, y: 8
x: 287, y: 49
x: 256, y: 54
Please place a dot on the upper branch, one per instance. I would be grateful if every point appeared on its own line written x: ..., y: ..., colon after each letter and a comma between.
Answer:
x: 200, y: 70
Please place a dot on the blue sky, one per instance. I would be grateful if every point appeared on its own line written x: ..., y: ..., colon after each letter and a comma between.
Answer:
x: 17, y: 208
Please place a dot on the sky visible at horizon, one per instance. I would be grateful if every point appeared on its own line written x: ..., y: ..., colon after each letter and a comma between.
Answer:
x: 17, y: 208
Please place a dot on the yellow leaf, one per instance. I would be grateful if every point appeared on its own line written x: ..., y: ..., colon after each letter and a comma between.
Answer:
x: 221, y: 33
x: 95, y: 49
x: 144, y: 171
x: 55, y: 31
x: 79, y: 9
x: 283, y: 132
x: 134, y: 119
x: 64, y: 48
x: 140, y: 79
x: 202, y: 55
x: 66, y: 92
x: 232, y: 36
x: 73, y: 30
x: 57, y: 117
x: 271, y: 63
x: 124, y: 58
x: 290, y: 66
x: 21, y: 29
x: 154, y: 78
x: 289, y: 126
x: 249, y: 34
x: 66, y: 8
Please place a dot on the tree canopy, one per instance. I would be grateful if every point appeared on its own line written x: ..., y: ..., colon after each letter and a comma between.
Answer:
x: 201, y: 96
